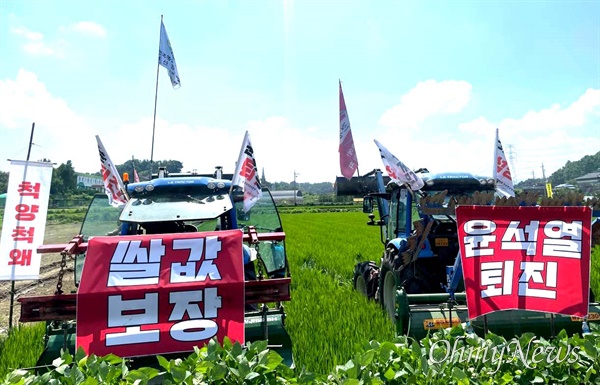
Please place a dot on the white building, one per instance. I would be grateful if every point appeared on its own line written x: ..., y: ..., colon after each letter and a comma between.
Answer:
x: 86, y: 181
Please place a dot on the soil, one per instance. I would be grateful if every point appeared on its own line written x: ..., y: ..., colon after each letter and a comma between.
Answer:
x: 46, y: 284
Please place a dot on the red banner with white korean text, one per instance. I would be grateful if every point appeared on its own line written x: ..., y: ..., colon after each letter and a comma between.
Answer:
x: 157, y: 294
x: 24, y: 220
x: 525, y: 257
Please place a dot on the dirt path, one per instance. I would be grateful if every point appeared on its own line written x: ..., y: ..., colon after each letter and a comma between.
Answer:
x: 49, y: 269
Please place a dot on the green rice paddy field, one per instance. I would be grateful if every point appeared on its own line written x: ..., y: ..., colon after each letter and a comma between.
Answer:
x: 327, y: 320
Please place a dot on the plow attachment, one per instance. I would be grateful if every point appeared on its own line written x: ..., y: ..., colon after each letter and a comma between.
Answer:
x: 419, y: 314
x: 262, y: 324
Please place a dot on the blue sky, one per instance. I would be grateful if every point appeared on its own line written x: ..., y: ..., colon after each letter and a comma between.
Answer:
x: 430, y: 80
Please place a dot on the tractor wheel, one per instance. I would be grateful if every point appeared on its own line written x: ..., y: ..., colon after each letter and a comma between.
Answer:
x: 387, y: 289
x: 366, y: 278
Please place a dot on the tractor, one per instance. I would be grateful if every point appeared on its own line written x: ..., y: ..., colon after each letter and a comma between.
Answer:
x: 178, y: 203
x: 418, y: 280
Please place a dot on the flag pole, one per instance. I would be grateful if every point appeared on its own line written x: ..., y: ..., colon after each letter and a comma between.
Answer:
x: 155, y: 100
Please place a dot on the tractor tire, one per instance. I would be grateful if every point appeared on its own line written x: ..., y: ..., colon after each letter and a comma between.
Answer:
x: 413, y: 278
x: 387, y: 288
x: 366, y: 277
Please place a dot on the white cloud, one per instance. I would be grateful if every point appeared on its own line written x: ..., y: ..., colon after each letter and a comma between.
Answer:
x: 426, y: 99
x: 281, y: 147
x: 550, y: 136
x: 550, y: 119
x: 61, y: 134
x: 27, y: 34
x: 58, y: 128
x: 34, y: 43
x: 88, y: 28
x: 202, y: 148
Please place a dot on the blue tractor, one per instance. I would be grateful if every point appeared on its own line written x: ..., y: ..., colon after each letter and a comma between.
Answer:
x: 418, y: 280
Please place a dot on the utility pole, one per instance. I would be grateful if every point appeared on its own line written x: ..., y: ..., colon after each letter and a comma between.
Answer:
x: 544, y: 173
x: 295, y: 188
x: 512, y: 156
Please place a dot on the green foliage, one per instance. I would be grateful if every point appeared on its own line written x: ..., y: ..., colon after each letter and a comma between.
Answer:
x: 3, y: 182
x: 143, y: 167
x: 318, y: 209
x: 21, y: 347
x: 64, y: 179
x: 450, y: 354
x: 334, y: 330
x: 595, y: 272
x: 73, y: 215
x: 572, y: 170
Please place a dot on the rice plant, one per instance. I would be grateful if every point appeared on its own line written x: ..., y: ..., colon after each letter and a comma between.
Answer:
x: 21, y: 347
x: 327, y: 319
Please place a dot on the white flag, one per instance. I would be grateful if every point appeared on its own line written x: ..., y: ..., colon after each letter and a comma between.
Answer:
x: 504, y: 183
x: 246, y: 175
x: 166, y: 57
x: 24, y: 219
x: 399, y: 173
x: 113, y: 184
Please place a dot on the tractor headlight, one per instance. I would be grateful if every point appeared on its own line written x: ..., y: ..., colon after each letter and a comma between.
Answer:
x: 138, y: 189
x: 221, y: 185
x: 149, y: 187
x: 483, y: 182
x: 491, y: 181
x: 430, y: 182
x: 211, y: 185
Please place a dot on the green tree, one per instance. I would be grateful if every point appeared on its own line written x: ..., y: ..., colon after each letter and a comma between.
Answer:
x: 143, y: 167
x: 64, y: 179
x: 3, y: 182
x: 572, y: 170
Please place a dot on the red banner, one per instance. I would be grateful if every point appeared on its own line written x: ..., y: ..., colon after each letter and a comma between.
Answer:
x: 530, y: 258
x: 149, y: 294
x: 348, y: 159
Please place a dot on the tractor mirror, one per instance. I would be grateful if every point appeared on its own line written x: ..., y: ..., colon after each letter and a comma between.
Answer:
x: 368, y: 205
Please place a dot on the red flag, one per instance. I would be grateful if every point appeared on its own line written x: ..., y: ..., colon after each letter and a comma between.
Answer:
x: 136, y: 177
x: 348, y: 161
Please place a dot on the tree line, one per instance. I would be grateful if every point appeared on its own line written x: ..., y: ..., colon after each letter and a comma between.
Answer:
x: 568, y: 173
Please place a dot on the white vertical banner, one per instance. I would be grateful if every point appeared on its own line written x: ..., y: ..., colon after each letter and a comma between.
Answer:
x: 502, y: 176
x: 24, y: 219
x: 246, y: 174
x: 397, y: 170
x: 113, y: 184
